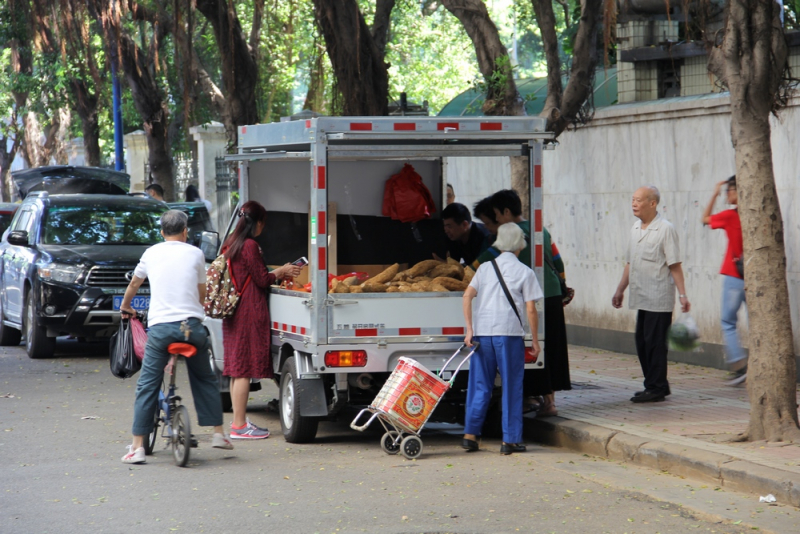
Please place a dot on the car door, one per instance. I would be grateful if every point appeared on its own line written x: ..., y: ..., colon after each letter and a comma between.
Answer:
x: 13, y: 279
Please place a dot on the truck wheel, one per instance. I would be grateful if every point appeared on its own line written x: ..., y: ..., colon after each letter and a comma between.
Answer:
x: 9, y: 337
x: 296, y: 429
x: 37, y: 344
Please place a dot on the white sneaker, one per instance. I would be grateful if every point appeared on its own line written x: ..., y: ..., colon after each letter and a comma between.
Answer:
x: 134, y: 456
x: 221, y: 441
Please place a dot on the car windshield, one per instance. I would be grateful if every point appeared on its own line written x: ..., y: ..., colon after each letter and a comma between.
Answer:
x: 109, y: 225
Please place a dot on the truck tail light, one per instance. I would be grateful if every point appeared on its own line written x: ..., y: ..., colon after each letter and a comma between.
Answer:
x: 346, y: 358
x: 529, y: 357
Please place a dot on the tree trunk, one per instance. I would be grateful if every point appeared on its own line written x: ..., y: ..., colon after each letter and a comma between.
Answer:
x: 86, y: 105
x: 381, y: 24
x: 751, y: 61
x: 361, y: 74
x: 240, y: 72
x: 502, y: 97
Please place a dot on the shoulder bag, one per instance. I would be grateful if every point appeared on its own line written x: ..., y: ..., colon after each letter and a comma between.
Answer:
x: 505, y: 290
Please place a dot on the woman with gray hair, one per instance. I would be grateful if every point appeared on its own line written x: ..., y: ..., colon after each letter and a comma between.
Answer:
x: 500, y: 289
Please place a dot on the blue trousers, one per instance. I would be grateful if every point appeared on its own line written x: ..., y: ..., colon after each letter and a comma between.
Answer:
x: 203, y: 380
x: 732, y: 300
x: 507, y: 355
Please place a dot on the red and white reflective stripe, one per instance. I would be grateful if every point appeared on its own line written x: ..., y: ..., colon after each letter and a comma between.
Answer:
x: 319, y: 176
x: 538, y: 259
x: 289, y: 328
x: 369, y: 330
x: 423, y: 126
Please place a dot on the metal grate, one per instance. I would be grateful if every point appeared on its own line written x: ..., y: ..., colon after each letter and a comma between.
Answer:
x: 109, y: 277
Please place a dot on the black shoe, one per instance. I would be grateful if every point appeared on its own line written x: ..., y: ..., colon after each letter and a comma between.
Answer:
x: 469, y: 444
x: 737, y: 377
x: 508, y: 448
x: 649, y: 396
x: 666, y: 394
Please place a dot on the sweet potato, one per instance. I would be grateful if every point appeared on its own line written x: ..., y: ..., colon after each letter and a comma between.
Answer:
x: 371, y: 287
x: 393, y: 289
x: 385, y: 276
x: 420, y: 279
x: 450, y: 271
x: 421, y: 287
x: 408, y: 288
x: 422, y: 268
x: 402, y: 276
x: 439, y: 288
x: 356, y: 289
x: 341, y: 288
x: 468, y: 274
x: 450, y: 283
x: 352, y: 281
x: 451, y: 261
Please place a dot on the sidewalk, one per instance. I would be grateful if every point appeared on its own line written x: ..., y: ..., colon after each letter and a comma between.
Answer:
x: 687, y: 435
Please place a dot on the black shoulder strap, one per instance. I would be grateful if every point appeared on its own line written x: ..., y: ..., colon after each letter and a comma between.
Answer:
x: 505, y: 290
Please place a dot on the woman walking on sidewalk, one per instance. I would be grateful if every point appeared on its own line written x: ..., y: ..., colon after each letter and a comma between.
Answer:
x: 246, y: 334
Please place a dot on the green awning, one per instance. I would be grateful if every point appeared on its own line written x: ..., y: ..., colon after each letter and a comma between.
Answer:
x: 534, y: 90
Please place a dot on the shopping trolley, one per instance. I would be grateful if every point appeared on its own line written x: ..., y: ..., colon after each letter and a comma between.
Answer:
x: 406, y: 402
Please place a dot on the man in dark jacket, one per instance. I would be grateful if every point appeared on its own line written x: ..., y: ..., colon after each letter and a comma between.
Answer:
x: 466, y: 240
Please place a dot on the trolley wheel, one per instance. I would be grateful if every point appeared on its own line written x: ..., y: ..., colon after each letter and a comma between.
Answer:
x: 152, y: 439
x: 388, y: 444
x: 411, y: 447
x: 181, y: 436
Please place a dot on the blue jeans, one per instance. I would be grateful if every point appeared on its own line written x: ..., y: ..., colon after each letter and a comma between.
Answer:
x: 203, y: 380
x: 506, y: 354
x: 732, y: 300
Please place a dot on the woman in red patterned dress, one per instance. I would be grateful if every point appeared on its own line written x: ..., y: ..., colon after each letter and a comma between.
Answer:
x: 246, y: 334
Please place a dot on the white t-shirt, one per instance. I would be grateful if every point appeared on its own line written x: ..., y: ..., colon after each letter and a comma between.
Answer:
x: 174, y: 269
x: 492, y: 314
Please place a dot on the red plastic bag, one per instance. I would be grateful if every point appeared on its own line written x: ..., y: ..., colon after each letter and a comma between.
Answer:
x: 406, y: 198
x: 139, y: 337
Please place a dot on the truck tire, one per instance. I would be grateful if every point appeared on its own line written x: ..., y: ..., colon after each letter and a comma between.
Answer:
x: 9, y: 337
x: 37, y: 344
x: 296, y: 429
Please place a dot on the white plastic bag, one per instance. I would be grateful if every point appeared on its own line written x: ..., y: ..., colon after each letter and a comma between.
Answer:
x: 683, y: 335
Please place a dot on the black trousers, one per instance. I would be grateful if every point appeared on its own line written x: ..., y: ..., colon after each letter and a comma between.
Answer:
x: 651, y: 346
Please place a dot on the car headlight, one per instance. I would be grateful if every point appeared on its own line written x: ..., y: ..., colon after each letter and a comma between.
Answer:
x: 60, y: 272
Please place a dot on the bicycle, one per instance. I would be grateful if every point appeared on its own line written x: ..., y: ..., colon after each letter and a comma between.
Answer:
x: 171, y: 413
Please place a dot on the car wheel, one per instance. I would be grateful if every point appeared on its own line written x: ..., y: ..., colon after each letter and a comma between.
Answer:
x: 9, y: 336
x: 296, y: 428
x: 37, y: 344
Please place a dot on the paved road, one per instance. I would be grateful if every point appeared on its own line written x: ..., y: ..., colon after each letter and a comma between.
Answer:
x: 64, y: 423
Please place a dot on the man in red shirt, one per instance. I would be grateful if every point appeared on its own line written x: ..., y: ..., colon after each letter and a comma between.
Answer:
x: 732, y: 279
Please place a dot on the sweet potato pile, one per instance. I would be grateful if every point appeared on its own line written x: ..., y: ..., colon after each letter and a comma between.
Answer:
x: 425, y: 276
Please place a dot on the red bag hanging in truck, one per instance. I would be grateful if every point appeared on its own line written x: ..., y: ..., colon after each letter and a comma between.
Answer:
x: 405, y: 197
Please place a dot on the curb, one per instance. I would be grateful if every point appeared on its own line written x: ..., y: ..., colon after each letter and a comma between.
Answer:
x: 721, y: 469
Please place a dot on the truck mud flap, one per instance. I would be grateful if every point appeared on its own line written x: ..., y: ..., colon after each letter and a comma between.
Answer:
x: 310, y: 396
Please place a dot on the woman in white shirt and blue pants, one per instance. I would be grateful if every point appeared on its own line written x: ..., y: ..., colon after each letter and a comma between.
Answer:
x: 498, y: 327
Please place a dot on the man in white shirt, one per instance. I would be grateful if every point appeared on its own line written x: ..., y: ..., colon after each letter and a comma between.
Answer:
x: 498, y: 326
x: 177, y: 275
x: 653, y: 272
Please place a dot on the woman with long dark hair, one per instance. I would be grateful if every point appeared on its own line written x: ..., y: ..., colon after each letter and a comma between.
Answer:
x: 246, y: 334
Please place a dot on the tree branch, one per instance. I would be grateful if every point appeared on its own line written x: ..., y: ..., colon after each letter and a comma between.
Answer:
x: 381, y: 24
x: 546, y: 19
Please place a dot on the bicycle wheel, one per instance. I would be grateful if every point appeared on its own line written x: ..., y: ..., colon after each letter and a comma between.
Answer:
x: 181, y: 436
x: 150, y: 442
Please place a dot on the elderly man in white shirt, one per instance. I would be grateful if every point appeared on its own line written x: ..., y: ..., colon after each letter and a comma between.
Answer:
x: 498, y: 326
x: 653, y: 272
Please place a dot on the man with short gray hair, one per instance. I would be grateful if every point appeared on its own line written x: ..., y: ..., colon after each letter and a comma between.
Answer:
x: 653, y: 272
x: 177, y: 275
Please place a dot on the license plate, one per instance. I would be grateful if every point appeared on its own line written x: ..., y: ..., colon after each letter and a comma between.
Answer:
x: 138, y: 303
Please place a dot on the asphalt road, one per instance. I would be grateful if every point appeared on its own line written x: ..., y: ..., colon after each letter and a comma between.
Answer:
x: 64, y: 424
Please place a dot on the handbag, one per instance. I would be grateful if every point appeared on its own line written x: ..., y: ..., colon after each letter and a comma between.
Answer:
x: 123, y: 360
x: 567, y: 293
x: 505, y: 290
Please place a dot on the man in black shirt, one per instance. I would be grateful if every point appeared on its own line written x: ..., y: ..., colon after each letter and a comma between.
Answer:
x: 466, y: 240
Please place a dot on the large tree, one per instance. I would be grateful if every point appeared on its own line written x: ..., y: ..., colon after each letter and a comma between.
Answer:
x: 750, y: 59
x: 138, y: 66
x: 357, y: 54
x: 502, y: 96
x: 565, y: 107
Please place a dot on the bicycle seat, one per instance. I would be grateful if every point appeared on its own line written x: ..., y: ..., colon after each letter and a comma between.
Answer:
x: 182, y: 349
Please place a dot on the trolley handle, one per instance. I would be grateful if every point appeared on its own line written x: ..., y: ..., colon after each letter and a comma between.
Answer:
x: 475, y: 345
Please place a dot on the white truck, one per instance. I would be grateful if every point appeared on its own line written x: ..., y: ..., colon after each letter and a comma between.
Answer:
x: 322, y: 183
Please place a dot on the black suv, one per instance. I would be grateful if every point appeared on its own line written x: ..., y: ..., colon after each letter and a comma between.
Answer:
x: 65, y: 264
